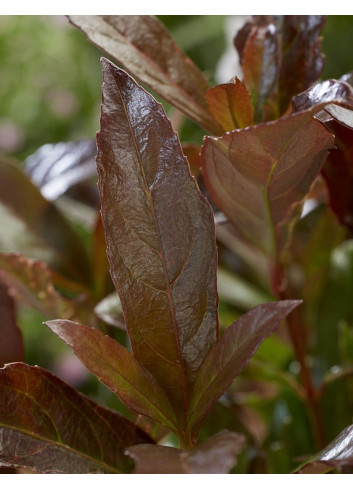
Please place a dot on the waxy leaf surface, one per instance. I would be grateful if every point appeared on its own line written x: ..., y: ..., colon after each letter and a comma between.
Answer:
x: 232, y: 352
x: 55, y: 168
x: 146, y: 49
x: 32, y: 284
x: 259, y: 176
x: 337, y: 454
x: 117, y: 368
x: 230, y: 104
x: 47, y: 426
x: 42, y: 218
x: 216, y: 455
x: 160, y: 237
x: 11, y: 344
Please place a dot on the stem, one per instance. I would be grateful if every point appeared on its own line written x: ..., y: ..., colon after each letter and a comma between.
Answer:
x: 299, y: 339
x: 186, y: 441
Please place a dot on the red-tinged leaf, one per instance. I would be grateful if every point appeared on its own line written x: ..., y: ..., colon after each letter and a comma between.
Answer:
x: 216, y: 455
x: 230, y: 104
x: 55, y: 168
x: 327, y: 92
x: 337, y: 454
x: 341, y: 114
x: 160, y: 237
x: 338, y: 173
x: 145, y: 48
x: 232, y: 352
x: 118, y: 369
x: 192, y: 153
x: 293, y: 44
x: 259, y: 176
x: 42, y: 218
x: 11, y: 344
x: 110, y: 311
x: 260, y: 65
x: 32, y: 284
x: 47, y: 426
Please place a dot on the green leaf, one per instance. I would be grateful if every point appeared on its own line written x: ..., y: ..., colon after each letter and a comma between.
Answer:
x: 160, y: 237
x: 259, y: 176
x: 229, y: 356
x: 216, y: 455
x: 146, y: 49
x: 118, y: 369
x: 11, y: 344
x: 47, y: 426
x: 230, y: 104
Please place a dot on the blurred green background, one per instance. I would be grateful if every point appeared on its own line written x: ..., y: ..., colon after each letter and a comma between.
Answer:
x: 51, y: 76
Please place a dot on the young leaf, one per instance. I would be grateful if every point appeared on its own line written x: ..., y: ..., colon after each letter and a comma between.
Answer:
x: 324, y: 93
x: 232, y: 352
x: 259, y: 176
x: 118, y: 369
x: 32, y: 284
x: 337, y: 454
x: 160, y: 237
x: 47, y: 426
x: 216, y: 455
x: 24, y: 199
x: 230, y: 104
x: 146, y: 49
x: 11, y: 344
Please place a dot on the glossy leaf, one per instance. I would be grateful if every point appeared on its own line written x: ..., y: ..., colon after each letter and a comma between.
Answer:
x: 110, y: 311
x: 55, y: 168
x: 11, y: 344
x: 146, y: 49
x: 229, y: 356
x: 281, y: 56
x: 32, y: 284
x: 338, y: 173
x: 259, y: 176
x: 47, y: 426
x: 160, y: 237
x: 42, y: 218
x: 118, y: 369
x: 216, y: 455
x: 230, y: 104
x: 337, y: 454
x: 327, y: 92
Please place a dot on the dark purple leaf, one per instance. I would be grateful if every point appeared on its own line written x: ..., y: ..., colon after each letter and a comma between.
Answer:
x: 160, y: 237
x: 216, y: 455
x: 47, y: 426
x: 24, y: 199
x: 337, y: 454
x: 118, y: 369
x: 146, y: 49
x: 259, y: 176
x: 323, y: 93
x: 11, y: 344
x: 55, y: 168
x: 229, y: 356
x: 230, y: 104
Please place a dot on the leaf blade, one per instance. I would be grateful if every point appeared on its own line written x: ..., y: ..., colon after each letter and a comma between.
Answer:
x: 11, y: 345
x: 117, y: 368
x: 51, y: 418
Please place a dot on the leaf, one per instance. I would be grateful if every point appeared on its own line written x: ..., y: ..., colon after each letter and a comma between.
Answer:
x: 230, y: 104
x: 146, y: 49
x: 11, y: 344
x: 216, y: 455
x: 229, y: 356
x: 259, y: 176
x: 42, y: 218
x: 327, y: 92
x: 338, y: 173
x: 160, y: 236
x: 47, y: 426
x: 110, y: 311
x: 118, y: 369
x: 55, y: 168
x: 337, y: 454
x: 260, y: 65
x: 281, y: 56
x: 32, y: 284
